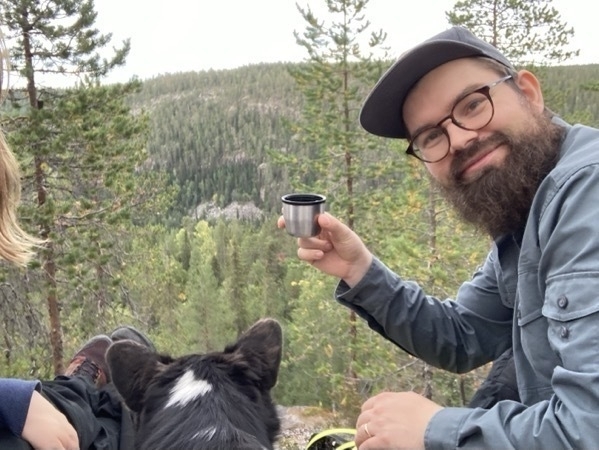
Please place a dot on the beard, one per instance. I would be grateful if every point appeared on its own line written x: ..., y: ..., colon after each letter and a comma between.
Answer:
x: 498, y: 200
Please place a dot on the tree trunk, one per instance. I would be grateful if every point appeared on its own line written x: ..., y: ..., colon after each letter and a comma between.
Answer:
x: 54, y: 312
x: 49, y: 268
x: 427, y: 373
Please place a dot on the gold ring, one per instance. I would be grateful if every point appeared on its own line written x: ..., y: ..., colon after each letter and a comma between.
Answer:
x: 366, y: 429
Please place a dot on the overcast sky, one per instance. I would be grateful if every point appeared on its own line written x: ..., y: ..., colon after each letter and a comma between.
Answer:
x: 169, y: 36
x: 180, y: 35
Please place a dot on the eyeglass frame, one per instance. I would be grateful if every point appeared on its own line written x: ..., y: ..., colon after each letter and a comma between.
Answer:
x: 486, y: 91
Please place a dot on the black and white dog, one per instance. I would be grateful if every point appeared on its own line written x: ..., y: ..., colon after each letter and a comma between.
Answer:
x: 216, y: 401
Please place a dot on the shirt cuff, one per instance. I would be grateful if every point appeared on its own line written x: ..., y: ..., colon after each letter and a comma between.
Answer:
x: 16, y: 398
x: 442, y: 432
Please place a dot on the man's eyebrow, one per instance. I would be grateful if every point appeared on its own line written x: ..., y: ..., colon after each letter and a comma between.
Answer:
x: 460, y: 95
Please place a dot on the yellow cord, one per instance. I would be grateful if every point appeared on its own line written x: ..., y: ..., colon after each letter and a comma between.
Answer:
x: 345, y: 446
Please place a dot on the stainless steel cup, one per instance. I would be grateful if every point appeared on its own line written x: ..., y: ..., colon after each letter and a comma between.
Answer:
x: 301, y: 211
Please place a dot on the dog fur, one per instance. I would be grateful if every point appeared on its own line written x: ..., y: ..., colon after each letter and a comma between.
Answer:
x: 215, y: 401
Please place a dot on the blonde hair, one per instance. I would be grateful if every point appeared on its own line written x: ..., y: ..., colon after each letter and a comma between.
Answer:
x: 16, y: 245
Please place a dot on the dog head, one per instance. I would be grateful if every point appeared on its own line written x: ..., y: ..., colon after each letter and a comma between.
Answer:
x: 219, y: 400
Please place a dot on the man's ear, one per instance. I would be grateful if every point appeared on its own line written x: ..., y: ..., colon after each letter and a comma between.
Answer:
x: 530, y: 87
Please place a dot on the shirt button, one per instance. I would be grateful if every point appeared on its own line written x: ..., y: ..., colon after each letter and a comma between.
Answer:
x: 562, y: 301
x: 564, y: 332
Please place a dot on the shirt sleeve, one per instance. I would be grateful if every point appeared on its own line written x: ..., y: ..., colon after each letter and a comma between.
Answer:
x: 466, y: 333
x: 15, y: 397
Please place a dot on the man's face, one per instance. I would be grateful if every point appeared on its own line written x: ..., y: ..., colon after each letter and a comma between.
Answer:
x: 490, y: 175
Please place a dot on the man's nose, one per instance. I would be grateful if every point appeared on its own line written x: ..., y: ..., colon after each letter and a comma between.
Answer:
x: 459, y: 138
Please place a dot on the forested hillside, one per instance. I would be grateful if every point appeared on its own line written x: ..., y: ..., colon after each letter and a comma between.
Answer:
x: 213, y: 131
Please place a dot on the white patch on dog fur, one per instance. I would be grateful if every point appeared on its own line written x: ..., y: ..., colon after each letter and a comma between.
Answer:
x: 188, y: 388
x: 207, y: 434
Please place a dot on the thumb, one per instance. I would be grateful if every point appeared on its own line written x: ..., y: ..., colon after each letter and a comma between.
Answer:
x: 330, y: 223
x: 349, y: 248
x: 338, y: 231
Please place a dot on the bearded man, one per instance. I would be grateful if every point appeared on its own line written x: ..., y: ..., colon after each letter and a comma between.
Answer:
x: 531, y: 181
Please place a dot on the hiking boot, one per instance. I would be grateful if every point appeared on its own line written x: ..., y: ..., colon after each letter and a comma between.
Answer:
x: 132, y: 334
x: 90, y: 361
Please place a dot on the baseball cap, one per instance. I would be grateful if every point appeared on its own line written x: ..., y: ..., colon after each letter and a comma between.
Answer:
x: 381, y: 113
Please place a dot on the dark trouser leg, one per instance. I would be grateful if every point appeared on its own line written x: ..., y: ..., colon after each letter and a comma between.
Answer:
x: 96, y: 414
x: 500, y: 384
x: 9, y: 441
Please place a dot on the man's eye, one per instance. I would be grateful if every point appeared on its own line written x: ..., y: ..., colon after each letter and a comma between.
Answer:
x: 472, y: 105
x: 430, y: 138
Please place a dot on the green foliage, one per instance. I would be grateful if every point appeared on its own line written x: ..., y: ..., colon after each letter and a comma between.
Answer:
x: 215, y: 138
x: 24, y: 336
x: 57, y: 37
x: 91, y: 187
x: 152, y: 287
x: 207, y: 310
x: 579, y: 100
x: 528, y: 32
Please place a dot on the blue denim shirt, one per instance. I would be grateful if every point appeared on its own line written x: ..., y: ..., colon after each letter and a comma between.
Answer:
x: 538, y: 291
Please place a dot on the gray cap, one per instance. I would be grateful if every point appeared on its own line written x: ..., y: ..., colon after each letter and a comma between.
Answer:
x: 382, y: 111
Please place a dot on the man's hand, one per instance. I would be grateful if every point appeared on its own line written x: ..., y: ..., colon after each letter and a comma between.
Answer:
x: 394, y: 421
x: 337, y: 251
x: 46, y: 428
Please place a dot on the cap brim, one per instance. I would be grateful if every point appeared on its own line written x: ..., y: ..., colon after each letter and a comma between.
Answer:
x: 381, y: 113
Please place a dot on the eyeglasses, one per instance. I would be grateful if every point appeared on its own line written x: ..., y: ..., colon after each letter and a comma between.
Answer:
x: 471, y: 112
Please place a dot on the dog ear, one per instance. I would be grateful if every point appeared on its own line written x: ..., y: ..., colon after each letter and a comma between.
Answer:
x: 132, y: 368
x: 261, y: 346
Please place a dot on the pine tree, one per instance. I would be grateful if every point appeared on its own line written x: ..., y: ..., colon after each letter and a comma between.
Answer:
x: 528, y: 32
x: 73, y: 143
x: 339, y: 159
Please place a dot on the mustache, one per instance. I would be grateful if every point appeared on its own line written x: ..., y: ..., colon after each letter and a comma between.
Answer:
x: 464, y: 156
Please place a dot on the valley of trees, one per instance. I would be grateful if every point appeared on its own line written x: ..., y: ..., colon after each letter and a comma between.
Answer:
x: 159, y: 201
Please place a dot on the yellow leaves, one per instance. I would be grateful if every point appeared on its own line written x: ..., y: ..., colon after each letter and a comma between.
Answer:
x: 328, y: 351
x: 312, y: 283
x: 414, y: 200
x: 45, y: 167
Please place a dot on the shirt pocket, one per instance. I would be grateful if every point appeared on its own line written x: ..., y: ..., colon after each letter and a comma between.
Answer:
x: 570, y: 297
x: 571, y: 308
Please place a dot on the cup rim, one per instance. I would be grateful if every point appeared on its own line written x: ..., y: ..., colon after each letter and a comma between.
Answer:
x: 303, y: 199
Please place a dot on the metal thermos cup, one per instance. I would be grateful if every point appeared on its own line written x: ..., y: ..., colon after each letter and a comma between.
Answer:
x: 301, y: 211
